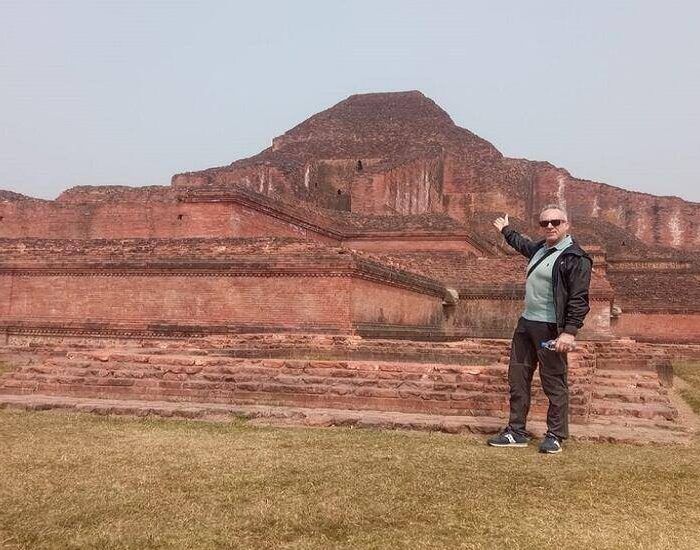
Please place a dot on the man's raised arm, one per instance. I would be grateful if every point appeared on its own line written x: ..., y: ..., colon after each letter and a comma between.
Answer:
x: 522, y: 244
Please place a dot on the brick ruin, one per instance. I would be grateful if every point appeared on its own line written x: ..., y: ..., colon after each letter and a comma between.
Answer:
x: 351, y: 266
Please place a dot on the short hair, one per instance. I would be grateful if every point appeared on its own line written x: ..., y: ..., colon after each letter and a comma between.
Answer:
x: 555, y: 207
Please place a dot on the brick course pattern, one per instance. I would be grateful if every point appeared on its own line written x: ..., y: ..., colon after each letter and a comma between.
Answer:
x: 349, y: 176
x: 440, y: 168
x: 209, y: 286
x: 274, y: 281
x: 466, y: 379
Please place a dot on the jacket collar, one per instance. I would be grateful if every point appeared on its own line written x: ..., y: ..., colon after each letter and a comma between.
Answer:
x: 574, y: 249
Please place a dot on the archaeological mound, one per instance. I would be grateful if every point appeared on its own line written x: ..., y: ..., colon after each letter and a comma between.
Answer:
x: 349, y: 273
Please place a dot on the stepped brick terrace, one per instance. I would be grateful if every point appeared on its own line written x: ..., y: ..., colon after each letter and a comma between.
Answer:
x: 347, y: 274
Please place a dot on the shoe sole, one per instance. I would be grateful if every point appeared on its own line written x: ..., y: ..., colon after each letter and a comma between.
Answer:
x: 518, y: 445
x: 551, y: 452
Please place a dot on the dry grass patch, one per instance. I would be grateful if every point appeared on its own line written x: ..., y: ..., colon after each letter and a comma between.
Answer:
x: 689, y: 371
x: 80, y: 481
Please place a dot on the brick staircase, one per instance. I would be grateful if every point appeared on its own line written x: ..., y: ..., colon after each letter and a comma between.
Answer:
x: 632, y: 398
x: 475, y: 390
x: 196, y: 375
x: 463, y: 383
x: 628, y: 355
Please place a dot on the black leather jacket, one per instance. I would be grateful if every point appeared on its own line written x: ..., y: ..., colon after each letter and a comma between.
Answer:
x: 571, y: 278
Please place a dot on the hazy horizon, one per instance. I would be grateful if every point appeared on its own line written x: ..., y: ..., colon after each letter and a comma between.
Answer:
x: 130, y: 93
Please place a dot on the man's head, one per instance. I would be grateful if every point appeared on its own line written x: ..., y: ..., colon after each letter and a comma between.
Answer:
x: 554, y: 223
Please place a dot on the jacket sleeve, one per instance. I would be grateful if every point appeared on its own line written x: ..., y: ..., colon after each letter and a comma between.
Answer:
x: 578, y: 281
x: 522, y: 244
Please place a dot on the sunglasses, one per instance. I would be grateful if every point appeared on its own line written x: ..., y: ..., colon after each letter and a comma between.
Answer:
x: 555, y: 223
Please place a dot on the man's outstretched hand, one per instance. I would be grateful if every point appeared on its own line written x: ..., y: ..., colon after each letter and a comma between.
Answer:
x: 500, y: 223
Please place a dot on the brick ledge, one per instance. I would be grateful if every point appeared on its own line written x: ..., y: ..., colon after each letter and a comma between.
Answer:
x: 298, y: 416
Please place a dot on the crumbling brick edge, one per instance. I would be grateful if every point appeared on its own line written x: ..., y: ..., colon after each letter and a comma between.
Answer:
x: 307, y: 417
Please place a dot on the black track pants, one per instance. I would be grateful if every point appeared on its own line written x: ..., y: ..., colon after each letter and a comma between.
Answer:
x: 526, y: 353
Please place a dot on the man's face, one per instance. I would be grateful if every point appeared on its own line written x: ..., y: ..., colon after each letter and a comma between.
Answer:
x: 553, y: 234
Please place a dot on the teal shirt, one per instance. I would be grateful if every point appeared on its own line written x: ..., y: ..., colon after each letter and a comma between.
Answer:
x: 539, y: 294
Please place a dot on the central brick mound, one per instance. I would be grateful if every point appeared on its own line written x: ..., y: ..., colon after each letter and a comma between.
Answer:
x: 329, y: 380
x: 333, y: 279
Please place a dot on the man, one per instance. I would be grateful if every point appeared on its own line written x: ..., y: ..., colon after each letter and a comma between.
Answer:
x: 556, y: 302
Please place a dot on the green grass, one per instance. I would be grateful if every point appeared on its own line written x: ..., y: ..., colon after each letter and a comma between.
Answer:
x: 690, y: 373
x: 81, y: 481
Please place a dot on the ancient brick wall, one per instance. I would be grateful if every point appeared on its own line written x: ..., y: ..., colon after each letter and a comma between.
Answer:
x: 213, y: 212
x: 160, y: 220
x: 453, y: 389
x: 400, y: 244
x: 278, y: 345
x: 366, y: 190
x: 257, y: 177
x: 521, y: 188
x: 247, y: 222
x: 487, y: 185
x: 659, y: 300
x: 328, y: 182
x: 411, y: 187
x: 414, y: 187
x: 208, y: 285
x: 658, y: 327
x: 467, y: 186
x: 653, y: 286
x: 140, y: 300
x: 668, y: 221
x: 679, y: 351
x: 379, y: 304
x: 496, y: 317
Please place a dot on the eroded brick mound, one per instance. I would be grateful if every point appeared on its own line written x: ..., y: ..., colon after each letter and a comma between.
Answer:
x: 399, y: 153
x: 379, y: 130
x: 11, y: 196
x: 392, y: 175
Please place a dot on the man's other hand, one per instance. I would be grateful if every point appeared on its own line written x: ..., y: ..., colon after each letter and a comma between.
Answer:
x: 565, y: 343
x: 500, y: 223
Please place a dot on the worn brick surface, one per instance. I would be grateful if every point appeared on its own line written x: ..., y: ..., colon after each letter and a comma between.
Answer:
x: 443, y: 383
x: 441, y: 168
x: 252, y: 283
x: 209, y: 286
x: 615, y: 386
x: 285, y: 416
x: 349, y: 177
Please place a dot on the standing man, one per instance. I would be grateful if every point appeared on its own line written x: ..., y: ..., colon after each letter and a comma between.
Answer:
x: 556, y: 302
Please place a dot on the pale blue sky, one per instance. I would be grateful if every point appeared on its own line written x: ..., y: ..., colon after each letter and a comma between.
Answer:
x: 122, y: 92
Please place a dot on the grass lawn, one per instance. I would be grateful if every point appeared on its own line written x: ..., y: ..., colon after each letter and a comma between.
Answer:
x: 82, y: 481
x: 690, y: 373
